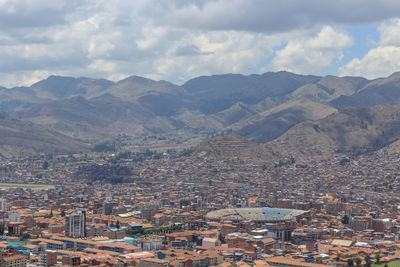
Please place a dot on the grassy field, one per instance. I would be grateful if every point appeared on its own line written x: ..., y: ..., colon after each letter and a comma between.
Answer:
x: 390, y: 264
x: 30, y: 186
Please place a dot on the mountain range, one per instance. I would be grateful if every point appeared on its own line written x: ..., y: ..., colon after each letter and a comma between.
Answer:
x: 264, y: 108
x: 23, y: 138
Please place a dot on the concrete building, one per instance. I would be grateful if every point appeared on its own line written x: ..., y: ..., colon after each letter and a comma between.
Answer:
x: 75, y: 224
x: 3, y: 204
x: 14, y: 217
x: 13, y: 261
x: 48, y: 258
x: 107, y: 207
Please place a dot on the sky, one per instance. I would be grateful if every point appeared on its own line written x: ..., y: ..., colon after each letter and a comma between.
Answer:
x: 176, y: 40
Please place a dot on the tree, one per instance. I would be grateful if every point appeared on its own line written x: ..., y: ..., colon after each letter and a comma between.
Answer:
x: 345, y: 219
x: 377, y: 257
x: 2, y: 228
x: 221, y: 238
x: 45, y: 165
x: 358, y: 261
x: 350, y: 262
x: 367, y: 261
x: 128, y: 232
x: 26, y: 236
x: 264, y: 167
x: 50, y: 215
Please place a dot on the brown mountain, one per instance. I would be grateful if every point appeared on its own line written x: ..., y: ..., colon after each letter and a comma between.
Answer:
x: 25, y: 138
x: 376, y: 92
x: 50, y: 89
x: 268, y: 125
x: 212, y: 94
x: 137, y: 105
x: 330, y: 87
x: 134, y: 87
x: 233, y: 147
x: 351, y: 131
x: 59, y: 87
x: 258, y: 107
x: 97, y: 118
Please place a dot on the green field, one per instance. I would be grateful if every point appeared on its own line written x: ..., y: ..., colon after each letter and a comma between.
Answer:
x: 390, y: 264
x: 30, y: 186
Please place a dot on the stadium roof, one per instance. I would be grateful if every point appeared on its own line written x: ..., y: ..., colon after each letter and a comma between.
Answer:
x: 255, y: 214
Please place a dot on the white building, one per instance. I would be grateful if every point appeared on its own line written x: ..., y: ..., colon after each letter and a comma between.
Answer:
x: 3, y: 204
x: 75, y: 224
x: 14, y: 217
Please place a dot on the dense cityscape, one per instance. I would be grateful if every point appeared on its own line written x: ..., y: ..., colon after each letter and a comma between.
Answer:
x: 200, y: 211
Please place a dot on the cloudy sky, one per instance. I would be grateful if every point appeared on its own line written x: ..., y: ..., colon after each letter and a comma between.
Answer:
x: 176, y: 40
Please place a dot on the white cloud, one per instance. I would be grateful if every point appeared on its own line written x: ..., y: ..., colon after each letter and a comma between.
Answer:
x: 23, y: 77
x: 102, y: 66
x: 311, y: 55
x: 328, y: 39
x: 382, y: 60
x: 218, y: 52
x: 378, y: 62
x: 390, y: 32
x: 151, y: 37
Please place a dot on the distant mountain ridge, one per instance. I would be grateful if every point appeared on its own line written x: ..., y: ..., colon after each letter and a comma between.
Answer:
x: 270, y: 124
x: 50, y: 89
x: 258, y: 107
x: 214, y: 102
x: 219, y: 92
x: 352, y: 131
x: 377, y: 92
x: 94, y: 119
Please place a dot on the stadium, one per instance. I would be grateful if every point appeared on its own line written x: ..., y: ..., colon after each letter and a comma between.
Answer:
x: 259, y: 215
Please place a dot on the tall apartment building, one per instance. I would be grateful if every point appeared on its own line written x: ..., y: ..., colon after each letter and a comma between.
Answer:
x: 3, y: 204
x: 75, y: 224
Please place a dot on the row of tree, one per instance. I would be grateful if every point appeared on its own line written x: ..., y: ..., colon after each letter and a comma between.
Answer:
x: 357, y: 261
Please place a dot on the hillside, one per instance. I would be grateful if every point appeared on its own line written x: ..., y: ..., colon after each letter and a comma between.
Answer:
x: 233, y: 147
x: 25, y: 138
x: 96, y: 118
x: 350, y: 131
x: 330, y: 87
x: 377, y: 92
x: 58, y: 87
x: 212, y: 94
x: 270, y: 124
x: 134, y: 87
